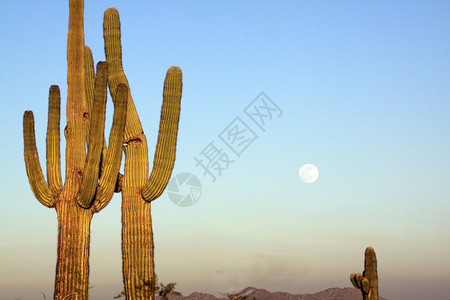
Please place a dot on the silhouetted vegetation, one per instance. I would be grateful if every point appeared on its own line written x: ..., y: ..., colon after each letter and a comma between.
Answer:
x: 367, y: 282
x: 237, y: 296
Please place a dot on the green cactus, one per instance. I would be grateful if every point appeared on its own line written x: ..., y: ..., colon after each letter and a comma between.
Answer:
x: 368, y: 281
x: 138, y: 190
x: 90, y: 176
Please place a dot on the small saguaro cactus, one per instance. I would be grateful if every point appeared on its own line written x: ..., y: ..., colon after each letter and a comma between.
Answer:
x: 138, y: 190
x: 90, y: 176
x: 368, y: 281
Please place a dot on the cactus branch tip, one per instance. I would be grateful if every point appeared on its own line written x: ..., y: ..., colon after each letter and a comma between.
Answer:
x: 111, y: 10
x: 370, y: 250
x: 54, y: 88
x: 175, y: 69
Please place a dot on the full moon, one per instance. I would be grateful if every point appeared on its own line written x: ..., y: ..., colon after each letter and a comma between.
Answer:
x: 308, y: 173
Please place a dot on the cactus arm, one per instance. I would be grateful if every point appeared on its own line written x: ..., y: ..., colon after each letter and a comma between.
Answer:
x: 113, y: 157
x: 365, y: 286
x: 34, y: 171
x: 91, y: 171
x: 53, y: 141
x: 89, y: 85
x: 360, y: 282
x: 354, y: 278
x: 167, y: 137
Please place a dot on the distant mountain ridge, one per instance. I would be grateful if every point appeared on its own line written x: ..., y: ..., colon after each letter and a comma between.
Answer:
x: 347, y: 293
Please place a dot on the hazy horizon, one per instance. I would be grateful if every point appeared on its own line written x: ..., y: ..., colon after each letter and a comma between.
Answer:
x: 361, y: 90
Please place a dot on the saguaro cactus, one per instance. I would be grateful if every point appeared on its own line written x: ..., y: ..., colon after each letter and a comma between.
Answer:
x: 138, y: 190
x: 368, y: 281
x: 89, y: 179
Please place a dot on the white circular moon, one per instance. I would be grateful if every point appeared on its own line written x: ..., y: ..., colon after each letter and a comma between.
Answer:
x: 308, y: 173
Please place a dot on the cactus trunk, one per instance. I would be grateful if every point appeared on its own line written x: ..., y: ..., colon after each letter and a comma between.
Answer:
x: 72, y: 267
x: 137, y: 234
x: 76, y: 129
x: 137, y: 245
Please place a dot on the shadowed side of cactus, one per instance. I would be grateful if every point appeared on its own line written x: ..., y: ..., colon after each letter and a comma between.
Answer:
x: 368, y: 281
x: 138, y: 190
x: 89, y: 180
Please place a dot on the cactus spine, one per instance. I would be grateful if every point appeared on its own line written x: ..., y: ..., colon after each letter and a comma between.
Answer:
x: 368, y: 281
x: 138, y: 190
x: 87, y: 188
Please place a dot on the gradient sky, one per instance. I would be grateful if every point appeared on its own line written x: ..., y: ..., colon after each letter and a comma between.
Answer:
x: 365, y: 95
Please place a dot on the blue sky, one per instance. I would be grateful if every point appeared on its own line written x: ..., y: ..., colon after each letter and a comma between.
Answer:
x: 364, y: 92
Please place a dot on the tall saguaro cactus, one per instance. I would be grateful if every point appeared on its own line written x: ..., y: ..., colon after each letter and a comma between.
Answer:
x: 138, y: 190
x: 90, y: 179
x: 368, y: 281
